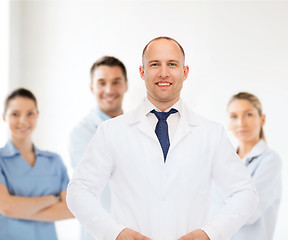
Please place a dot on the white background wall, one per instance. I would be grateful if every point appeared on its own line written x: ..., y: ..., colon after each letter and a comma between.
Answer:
x: 230, y: 46
x: 4, y: 58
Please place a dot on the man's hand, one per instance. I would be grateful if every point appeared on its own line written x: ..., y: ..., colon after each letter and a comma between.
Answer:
x: 129, y: 234
x: 195, y: 235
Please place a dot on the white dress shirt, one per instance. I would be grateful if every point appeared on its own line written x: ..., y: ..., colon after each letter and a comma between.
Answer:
x: 162, y: 201
x: 172, y: 120
x: 264, y: 166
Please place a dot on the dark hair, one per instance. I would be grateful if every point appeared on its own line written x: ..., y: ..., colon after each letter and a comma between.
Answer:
x: 19, y: 92
x: 108, y: 61
x: 254, y: 101
x: 159, y: 38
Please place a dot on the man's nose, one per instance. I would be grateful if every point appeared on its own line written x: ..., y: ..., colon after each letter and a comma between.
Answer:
x: 164, y: 72
x: 108, y: 88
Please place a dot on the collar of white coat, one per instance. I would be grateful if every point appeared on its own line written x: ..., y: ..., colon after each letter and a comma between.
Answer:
x: 257, y: 150
x: 146, y: 106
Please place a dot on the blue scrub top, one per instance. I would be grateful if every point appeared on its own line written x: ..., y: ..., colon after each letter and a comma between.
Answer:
x: 47, y: 177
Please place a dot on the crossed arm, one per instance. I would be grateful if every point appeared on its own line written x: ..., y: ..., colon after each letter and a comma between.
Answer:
x: 45, y: 208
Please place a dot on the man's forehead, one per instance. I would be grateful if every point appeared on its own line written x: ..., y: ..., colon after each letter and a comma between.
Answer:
x: 108, y: 71
x: 163, y: 43
x: 105, y: 69
x: 163, y: 48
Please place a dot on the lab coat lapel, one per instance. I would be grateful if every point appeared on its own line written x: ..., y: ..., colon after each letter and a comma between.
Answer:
x: 187, y: 122
x: 139, y: 119
x: 145, y: 127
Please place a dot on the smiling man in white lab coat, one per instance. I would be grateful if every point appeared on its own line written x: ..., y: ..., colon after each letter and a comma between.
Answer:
x: 160, y: 171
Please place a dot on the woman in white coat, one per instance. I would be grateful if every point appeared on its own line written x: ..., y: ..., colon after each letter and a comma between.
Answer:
x: 246, y: 122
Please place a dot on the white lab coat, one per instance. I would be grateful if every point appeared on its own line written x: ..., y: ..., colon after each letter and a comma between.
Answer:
x: 160, y: 200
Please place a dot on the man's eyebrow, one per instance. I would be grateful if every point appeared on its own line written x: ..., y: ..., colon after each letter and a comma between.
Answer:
x: 172, y: 60
x: 117, y: 78
x: 153, y: 61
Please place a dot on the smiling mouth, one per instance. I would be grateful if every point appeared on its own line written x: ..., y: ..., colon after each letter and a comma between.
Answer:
x: 23, y: 130
x: 110, y: 98
x: 243, y: 132
x: 163, y: 84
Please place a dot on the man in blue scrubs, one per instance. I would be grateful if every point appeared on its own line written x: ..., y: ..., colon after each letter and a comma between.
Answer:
x: 108, y: 85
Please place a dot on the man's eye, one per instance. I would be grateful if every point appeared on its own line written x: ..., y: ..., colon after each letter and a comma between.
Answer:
x: 233, y: 117
x: 172, y: 64
x: 154, y: 65
x: 31, y: 114
x: 101, y: 84
x: 15, y: 114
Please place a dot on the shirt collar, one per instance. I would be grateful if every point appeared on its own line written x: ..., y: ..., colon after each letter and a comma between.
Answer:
x: 141, y: 112
x: 39, y: 152
x: 102, y: 115
x: 257, y: 150
x: 148, y: 107
x: 10, y: 150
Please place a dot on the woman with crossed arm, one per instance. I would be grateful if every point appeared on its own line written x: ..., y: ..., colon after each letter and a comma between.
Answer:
x: 32, y: 182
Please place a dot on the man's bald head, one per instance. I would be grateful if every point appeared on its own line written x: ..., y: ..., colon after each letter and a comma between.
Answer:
x: 160, y: 38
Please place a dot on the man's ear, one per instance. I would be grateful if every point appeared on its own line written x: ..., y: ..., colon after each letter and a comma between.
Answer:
x: 91, y: 87
x: 126, y: 85
x: 186, y: 72
x: 141, y: 71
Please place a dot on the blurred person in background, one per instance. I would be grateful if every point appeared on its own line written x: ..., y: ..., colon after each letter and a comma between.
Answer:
x: 108, y: 84
x: 32, y: 182
x: 246, y: 121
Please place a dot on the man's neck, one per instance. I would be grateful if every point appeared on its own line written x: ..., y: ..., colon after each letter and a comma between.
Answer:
x: 112, y: 114
x: 163, y: 106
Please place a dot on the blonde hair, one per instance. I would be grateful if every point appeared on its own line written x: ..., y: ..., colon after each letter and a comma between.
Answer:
x: 254, y: 101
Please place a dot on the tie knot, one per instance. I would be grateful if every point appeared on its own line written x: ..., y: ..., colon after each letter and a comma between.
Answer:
x: 164, y: 115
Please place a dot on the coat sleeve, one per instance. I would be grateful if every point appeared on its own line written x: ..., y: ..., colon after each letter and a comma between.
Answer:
x: 88, y: 181
x: 234, y: 182
x: 267, y: 180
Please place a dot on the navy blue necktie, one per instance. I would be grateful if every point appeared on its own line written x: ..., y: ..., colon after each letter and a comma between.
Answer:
x: 161, y: 130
